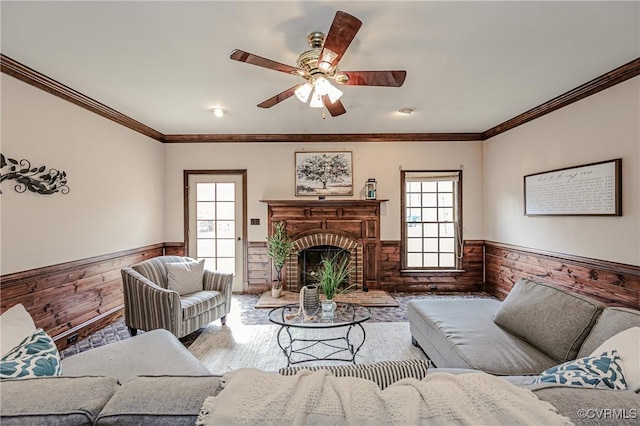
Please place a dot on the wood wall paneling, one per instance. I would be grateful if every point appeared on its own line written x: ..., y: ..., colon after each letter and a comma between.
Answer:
x: 80, y: 297
x: 612, y: 283
x: 386, y: 259
x: 175, y: 249
x: 259, y: 267
x: 75, y: 299
x: 470, y: 279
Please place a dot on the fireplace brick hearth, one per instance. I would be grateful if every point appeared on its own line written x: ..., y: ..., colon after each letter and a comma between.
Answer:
x: 353, y: 225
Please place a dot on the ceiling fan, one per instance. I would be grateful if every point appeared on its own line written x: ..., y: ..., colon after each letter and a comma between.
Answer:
x: 319, y: 66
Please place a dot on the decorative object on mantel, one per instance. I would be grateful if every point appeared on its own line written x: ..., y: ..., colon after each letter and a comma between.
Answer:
x: 35, y: 179
x: 324, y: 173
x: 370, y: 189
x: 279, y: 247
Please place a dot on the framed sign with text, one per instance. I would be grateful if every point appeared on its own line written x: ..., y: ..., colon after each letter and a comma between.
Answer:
x: 588, y: 190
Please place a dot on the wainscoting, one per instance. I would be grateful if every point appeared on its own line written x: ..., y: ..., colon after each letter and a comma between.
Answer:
x: 74, y: 299
x: 259, y: 267
x: 470, y: 279
x: 612, y: 283
x: 391, y: 278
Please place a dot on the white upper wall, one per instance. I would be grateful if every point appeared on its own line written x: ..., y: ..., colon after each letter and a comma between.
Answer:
x: 126, y: 189
x: 270, y: 176
x: 115, y: 177
x: 601, y: 127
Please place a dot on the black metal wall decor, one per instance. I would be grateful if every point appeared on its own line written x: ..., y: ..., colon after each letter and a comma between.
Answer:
x: 35, y: 179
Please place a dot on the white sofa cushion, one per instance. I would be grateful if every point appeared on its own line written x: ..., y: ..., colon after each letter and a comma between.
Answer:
x: 627, y: 344
x: 15, y: 325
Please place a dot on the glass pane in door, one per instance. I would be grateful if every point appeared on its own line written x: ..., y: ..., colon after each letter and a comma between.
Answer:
x: 215, y: 224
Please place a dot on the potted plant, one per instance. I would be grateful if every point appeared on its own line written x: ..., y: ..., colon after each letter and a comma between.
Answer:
x: 278, y: 248
x: 331, y: 274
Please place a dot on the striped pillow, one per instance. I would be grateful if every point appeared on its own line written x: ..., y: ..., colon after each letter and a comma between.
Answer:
x: 383, y: 373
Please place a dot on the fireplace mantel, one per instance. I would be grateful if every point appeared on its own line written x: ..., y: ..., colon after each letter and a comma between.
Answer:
x: 356, y: 220
x: 315, y: 203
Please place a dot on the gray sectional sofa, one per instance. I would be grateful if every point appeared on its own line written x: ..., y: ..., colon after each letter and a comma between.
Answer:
x: 536, y: 327
x: 150, y: 379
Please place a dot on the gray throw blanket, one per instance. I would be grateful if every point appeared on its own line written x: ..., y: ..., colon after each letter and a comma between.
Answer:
x: 254, y: 397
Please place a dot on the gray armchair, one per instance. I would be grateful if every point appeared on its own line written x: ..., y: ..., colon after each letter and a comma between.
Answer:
x: 149, y: 303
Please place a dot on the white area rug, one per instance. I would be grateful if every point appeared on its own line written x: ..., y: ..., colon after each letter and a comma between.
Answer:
x: 223, y: 349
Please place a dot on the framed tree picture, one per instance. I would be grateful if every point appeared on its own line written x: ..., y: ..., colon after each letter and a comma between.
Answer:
x: 324, y: 173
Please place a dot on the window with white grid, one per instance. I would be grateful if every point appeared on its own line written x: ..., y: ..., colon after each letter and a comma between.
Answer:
x: 431, y: 219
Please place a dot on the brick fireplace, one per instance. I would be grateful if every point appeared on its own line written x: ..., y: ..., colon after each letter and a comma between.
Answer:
x: 351, y: 225
x: 321, y: 239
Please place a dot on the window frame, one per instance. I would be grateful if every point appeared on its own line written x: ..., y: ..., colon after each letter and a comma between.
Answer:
x: 458, y: 238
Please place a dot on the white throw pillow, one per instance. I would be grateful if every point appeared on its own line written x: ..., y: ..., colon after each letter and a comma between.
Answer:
x: 185, y: 277
x: 627, y: 343
x: 15, y: 325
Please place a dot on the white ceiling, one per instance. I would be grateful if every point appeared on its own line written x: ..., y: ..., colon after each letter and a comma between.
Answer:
x: 470, y: 65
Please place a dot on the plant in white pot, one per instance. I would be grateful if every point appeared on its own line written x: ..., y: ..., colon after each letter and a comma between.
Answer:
x: 279, y: 247
x: 332, y: 273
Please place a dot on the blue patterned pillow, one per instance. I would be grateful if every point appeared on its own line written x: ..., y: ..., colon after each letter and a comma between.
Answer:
x: 35, y: 356
x: 604, y: 371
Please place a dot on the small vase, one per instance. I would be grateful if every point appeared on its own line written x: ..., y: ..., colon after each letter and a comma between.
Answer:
x: 310, y: 299
x: 275, y: 292
x: 328, y: 309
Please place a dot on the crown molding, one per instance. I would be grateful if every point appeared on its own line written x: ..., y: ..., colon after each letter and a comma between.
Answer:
x: 41, y: 81
x: 329, y: 137
x: 618, y: 75
x: 34, y: 78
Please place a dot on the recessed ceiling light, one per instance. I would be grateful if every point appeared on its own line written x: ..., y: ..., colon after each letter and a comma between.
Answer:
x: 406, y: 110
x: 219, y: 112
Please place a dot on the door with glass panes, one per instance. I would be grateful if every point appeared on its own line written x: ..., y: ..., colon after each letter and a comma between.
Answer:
x: 215, y: 223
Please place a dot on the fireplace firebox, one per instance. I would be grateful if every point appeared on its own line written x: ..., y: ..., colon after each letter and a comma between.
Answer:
x: 310, y: 258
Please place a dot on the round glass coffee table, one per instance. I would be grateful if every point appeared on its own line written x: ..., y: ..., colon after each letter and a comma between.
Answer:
x: 306, y: 338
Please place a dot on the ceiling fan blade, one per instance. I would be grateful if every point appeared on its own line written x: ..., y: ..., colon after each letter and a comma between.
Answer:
x: 342, y: 31
x: 372, y: 78
x: 336, y: 108
x: 250, y: 58
x: 279, y: 97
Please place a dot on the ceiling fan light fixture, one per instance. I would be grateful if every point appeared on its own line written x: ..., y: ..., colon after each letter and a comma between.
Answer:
x: 321, y: 85
x: 324, y: 87
x: 316, y: 100
x: 334, y: 93
x: 325, y: 63
x: 303, y: 92
x: 342, y: 78
x: 325, y: 66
